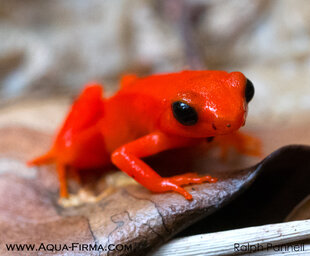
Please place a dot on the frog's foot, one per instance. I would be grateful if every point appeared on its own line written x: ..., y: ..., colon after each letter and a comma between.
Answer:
x: 175, y: 183
x: 243, y: 143
x: 191, y: 178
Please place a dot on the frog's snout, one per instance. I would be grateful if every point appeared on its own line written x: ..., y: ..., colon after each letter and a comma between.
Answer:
x: 224, y: 125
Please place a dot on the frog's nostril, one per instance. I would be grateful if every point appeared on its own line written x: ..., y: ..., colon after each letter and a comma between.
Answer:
x: 228, y: 125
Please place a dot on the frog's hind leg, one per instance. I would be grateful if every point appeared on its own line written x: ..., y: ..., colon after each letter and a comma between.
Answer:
x: 62, y: 176
x: 82, y: 125
x: 46, y: 158
x: 49, y: 158
x: 61, y: 170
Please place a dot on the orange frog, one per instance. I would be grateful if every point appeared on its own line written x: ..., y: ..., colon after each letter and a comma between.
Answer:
x: 147, y: 116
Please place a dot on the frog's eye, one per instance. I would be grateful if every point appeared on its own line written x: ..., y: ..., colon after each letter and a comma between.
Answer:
x: 184, y: 113
x: 249, y: 91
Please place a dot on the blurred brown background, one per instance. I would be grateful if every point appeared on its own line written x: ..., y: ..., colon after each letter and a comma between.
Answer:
x: 50, y: 48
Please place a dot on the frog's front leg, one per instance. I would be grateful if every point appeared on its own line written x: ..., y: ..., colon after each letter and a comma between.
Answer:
x: 127, y: 158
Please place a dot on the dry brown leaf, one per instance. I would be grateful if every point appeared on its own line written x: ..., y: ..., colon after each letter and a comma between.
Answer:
x: 301, y: 211
x: 127, y: 214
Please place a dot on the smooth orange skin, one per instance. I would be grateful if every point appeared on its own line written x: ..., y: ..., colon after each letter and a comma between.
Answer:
x: 138, y: 121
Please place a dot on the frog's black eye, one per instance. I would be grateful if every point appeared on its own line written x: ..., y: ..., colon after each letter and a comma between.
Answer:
x: 249, y: 91
x: 184, y: 113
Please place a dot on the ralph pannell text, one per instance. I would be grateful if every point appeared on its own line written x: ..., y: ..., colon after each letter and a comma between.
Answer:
x: 250, y: 248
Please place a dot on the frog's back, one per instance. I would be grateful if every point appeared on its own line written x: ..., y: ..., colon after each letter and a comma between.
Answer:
x: 165, y: 86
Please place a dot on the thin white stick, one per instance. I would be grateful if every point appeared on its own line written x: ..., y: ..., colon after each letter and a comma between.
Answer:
x: 225, y: 243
